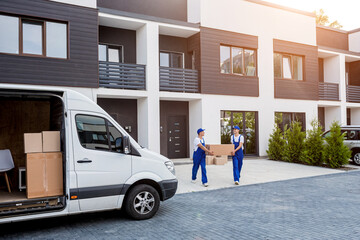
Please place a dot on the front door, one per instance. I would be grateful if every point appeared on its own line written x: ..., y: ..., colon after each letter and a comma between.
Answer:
x: 177, y: 137
x: 101, y: 169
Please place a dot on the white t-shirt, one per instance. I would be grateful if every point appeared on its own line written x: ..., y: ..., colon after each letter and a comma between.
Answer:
x: 196, y: 143
x: 237, y: 139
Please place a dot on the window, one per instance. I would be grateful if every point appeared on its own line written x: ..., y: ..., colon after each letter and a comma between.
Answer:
x: 97, y: 133
x: 9, y: 34
x: 288, y: 66
x: 111, y: 53
x: 350, y: 134
x: 235, y: 60
x: 35, y: 37
x: 283, y: 119
x: 171, y: 59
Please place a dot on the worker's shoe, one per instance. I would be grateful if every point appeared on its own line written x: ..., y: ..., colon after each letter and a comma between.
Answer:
x: 193, y: 181
x: 205, y: 184
x: 237, y: 183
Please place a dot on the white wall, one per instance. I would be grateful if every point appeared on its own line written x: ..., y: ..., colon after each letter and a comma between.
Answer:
x: 354, y: 42
x: 355, y: 116
x: 193, y: 11
x: 333, y: 114
x: 82, y: 3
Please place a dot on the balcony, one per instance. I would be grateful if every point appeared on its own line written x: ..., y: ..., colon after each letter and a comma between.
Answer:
x: 179, y: 80
x: 353, y: 93
x: 328, y: 91
x: 122, y: 75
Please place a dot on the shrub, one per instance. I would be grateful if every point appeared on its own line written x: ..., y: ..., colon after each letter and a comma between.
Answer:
x: 294, y: 142
x: 276, y: 144
x: 313, y: 152
x: 336, y: 153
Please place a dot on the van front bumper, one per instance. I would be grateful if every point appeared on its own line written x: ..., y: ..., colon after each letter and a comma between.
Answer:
x: 168, y: 188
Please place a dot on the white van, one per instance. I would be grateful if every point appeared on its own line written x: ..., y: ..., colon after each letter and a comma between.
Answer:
x: 103, y: 167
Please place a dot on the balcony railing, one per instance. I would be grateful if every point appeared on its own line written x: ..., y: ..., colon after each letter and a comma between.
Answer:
x: 353, y: 93
x: 329, y: 91
x: 179, y: 80
x: 121, y: 75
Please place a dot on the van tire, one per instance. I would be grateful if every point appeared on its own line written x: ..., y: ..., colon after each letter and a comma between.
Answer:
x: 356, y: 157
x: 142, y: 202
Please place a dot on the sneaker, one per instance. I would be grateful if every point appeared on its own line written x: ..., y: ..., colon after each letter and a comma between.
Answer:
x: 205, y: 184
x: 193, y: 181
x: 237, y: 183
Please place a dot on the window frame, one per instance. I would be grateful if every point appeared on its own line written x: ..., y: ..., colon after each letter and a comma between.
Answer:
x: 242, y: 59
x: 291, y: 56
x: 110, y: 45
x: 43, y: 21
x: 173, y: 52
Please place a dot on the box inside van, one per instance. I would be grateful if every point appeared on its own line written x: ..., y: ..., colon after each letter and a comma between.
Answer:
x: 22, y: 113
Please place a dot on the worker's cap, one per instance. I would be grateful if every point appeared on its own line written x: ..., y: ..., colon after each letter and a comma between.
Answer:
x: 200, y: 130
x: 236, y: 127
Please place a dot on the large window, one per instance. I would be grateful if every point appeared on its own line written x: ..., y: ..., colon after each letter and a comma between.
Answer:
x: 111, y: 53
x: 236, y: 60
x: 171, y: 59
x: 288, y: 66
x: 35, y: 37
x: 284, y: 119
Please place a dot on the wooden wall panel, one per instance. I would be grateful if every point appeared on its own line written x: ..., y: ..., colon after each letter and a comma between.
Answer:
x: 332, y: 38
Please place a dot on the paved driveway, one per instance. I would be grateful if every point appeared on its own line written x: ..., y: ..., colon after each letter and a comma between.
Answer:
x: 322, y: 207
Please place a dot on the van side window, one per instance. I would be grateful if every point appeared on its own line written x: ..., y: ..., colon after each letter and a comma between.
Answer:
x: 115, y: 137
x: 92, y: 132
x: 351, y: 135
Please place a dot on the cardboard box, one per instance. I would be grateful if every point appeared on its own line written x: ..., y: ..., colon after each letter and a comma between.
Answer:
x: 221, y: 149
x: 44, y: 175
x: 51, y: 141
x: 221, y: 160
x: 33, y: 142
x: 209, y: 160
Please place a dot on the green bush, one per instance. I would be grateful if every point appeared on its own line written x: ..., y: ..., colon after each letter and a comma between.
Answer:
x: 294, y: 142
x: 276, y: 144
x: 336, y: 153
x: 313, y: 152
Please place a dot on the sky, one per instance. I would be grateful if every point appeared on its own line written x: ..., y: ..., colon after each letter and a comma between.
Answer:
x: 345, y: 11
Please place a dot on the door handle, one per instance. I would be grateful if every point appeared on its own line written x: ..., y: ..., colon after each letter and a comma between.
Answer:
x: 85, y: 160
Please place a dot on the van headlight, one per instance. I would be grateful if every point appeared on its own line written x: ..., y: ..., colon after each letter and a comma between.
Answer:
x: 170, y: 166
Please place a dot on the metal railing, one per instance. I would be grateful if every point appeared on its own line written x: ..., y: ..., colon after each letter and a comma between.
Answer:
x: 353, y: 93
x: 329, y: 91
x: 122, y: 75
x: 179, y: 80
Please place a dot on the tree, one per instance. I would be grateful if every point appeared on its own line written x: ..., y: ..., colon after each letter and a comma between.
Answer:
x: 323, y: 19
x: 276, y: 144
x: 313, y: 145
x: 336, y: 153
x: 294, y: 142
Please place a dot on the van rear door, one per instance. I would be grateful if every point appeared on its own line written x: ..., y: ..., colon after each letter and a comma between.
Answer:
x: 100, y: 167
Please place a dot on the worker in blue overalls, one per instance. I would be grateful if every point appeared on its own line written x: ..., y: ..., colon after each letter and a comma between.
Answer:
x: 238, y: 140
x: 199, y: 157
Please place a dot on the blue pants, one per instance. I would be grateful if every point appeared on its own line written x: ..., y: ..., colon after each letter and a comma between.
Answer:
x: 237, y: 164
x: 199, y: 161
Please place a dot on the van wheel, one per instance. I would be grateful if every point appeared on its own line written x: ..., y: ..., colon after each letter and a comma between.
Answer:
x: 142, y: 202
x: 356, y: 158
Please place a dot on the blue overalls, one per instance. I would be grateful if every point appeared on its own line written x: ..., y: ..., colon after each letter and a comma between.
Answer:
x: 199, y: 159
x: 237, y: 160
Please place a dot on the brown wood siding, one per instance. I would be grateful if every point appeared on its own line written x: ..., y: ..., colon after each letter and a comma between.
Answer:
x: 174, y: 9
x: 321, y: 70
x: 171, y: 108
x: 175, y: 44
x: 80, y: 70
x: 354, y: 73
x: 123, y: 37
x: 332, y: 39
x: 214, y: 82
x: 306, y: 89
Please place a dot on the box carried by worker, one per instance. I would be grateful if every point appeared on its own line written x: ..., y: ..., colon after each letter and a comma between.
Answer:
x: 221, y: 149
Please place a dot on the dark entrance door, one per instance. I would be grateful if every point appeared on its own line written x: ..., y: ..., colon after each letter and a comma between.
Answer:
x: 176, y: 137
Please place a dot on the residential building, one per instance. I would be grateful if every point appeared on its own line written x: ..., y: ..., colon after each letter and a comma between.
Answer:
x: 163, y: 69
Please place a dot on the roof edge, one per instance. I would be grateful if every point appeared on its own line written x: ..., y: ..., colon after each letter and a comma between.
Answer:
x: 332, y: 29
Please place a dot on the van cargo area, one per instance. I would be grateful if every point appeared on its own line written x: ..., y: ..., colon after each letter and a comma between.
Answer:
x: 36, y: 181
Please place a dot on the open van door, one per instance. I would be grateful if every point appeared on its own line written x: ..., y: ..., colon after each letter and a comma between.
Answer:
x: 100, y: 164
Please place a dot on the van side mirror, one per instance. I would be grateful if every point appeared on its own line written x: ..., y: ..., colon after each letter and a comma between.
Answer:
x: 126, y: 144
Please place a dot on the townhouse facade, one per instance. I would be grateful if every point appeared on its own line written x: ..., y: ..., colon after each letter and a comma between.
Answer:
x: 163, y: 69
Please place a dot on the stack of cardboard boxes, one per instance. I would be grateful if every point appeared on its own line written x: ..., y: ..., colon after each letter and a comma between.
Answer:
x: 44, y: 164
x: 221, y: 153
